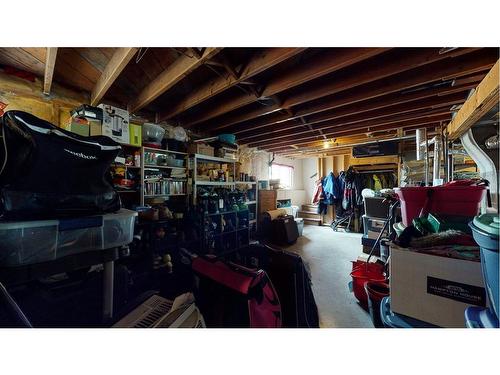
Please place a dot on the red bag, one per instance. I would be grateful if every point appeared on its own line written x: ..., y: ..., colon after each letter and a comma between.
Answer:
x: 264, y: 308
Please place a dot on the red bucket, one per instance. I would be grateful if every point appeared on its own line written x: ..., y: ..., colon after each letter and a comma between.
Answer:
x: 360, y: 275
x: 446, y: 200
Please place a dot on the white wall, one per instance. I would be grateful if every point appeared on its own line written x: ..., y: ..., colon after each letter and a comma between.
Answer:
x: 257, y: 163
x: 309, y: 167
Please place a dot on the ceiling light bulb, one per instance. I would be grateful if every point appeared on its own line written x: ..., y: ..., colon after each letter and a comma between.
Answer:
x: 326, y: 144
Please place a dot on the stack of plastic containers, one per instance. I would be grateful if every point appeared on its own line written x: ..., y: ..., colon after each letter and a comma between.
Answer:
x: 485, y: 229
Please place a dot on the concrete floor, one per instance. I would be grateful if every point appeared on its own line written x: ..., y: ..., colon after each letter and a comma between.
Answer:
x: 329, y: 255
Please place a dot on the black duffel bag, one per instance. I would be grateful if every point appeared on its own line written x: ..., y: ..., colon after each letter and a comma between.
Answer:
x: 46, y: 171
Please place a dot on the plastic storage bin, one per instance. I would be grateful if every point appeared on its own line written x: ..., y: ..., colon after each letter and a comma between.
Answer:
x: 392, y: 320
x: 300, y: 225
x: 30, y: 242
x: 485, y: 229
x: 448, y: 200
x: 377, y: 207
x: 372, y: 227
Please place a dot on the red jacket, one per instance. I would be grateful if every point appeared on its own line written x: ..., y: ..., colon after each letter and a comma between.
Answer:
x: 318, y: 192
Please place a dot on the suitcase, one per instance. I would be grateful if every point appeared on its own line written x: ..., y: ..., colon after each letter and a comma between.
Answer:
x: 284, y: 230
x: 292, y: 282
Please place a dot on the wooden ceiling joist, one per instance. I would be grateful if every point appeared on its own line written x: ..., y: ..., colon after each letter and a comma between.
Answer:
x: 50, y: 63
x: 330, y: 62
x: 429, y: 105
x: 179, y: 69
x: 360, y: 127
x: 115, y: 66
x: 477, y: 105
x: 412, y: 69
x: 318, y: 143
x: 367, y: 111
x: 380, y: 89
x: 257, y: 64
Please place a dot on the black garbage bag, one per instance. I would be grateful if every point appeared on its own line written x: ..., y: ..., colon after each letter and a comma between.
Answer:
x: 46, y: 171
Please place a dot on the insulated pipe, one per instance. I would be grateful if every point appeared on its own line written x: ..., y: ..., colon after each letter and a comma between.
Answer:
x: 445, y: 157
x: 421, y: 135
x: 436, y: 164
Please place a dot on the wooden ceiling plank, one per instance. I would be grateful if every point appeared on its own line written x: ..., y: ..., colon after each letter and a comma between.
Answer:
x: 115, y: 66
x: 257, y: 64
x: 295, y: 76
x: 179, y: 69
x: 50, y: 63
x: 380, y: 85
x: 477, y: 105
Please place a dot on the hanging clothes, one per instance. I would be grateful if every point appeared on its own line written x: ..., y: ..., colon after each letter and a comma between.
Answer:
x: 318, y: 192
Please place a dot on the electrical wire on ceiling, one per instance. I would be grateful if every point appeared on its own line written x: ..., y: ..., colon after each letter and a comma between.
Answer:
x: 227, y: 78
x: 140, y: 54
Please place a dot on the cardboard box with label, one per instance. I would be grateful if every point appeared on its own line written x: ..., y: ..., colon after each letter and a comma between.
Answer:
x: 434, y: 289
x: 115, y: 123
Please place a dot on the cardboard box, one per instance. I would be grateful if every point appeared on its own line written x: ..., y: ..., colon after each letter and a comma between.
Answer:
x: 115, y: 123
x: 201, y: 148
x: 434, y: 289
x: 78, y: 126
x: 135, y: 135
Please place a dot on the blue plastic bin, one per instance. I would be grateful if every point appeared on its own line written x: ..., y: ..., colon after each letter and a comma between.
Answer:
x: 479, y: 317
x: 485, y: 229
x: 392, y: 320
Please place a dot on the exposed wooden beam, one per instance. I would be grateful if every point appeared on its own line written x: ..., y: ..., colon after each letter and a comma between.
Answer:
x: 359, y: 95
x: 266, y: 59
x: 477, y: 105
x: 407, y: 72
x: 179, y: 69
x: 50, y: 63
x: 394, y: 104
x: 392, y: 112
x: 328, y: 62
x: 359, y: 127
x: 431, y: 122
x: 115, y: 66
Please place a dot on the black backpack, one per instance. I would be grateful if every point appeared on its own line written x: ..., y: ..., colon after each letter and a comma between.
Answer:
x: 46, y: 171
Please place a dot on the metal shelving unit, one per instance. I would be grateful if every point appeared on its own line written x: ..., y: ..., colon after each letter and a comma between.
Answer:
x: 144, y: 166
x: 195, y: 159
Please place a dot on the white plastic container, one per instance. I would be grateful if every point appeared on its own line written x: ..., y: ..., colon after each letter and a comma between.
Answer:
x: 30, y: 242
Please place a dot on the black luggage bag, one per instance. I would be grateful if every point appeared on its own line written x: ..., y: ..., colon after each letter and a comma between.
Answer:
x: 284, y: 230
x: 46, y: 171
x: 292, y: 282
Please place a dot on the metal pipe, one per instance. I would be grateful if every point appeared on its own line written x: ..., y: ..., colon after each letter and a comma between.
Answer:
x: 450, y: 162
x: 424, y: 155
x: 436, y: 163
x: 421, y: 135
x: 445, y: 156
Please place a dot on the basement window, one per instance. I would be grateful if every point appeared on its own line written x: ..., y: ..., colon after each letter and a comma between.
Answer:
x: 284, y: 173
